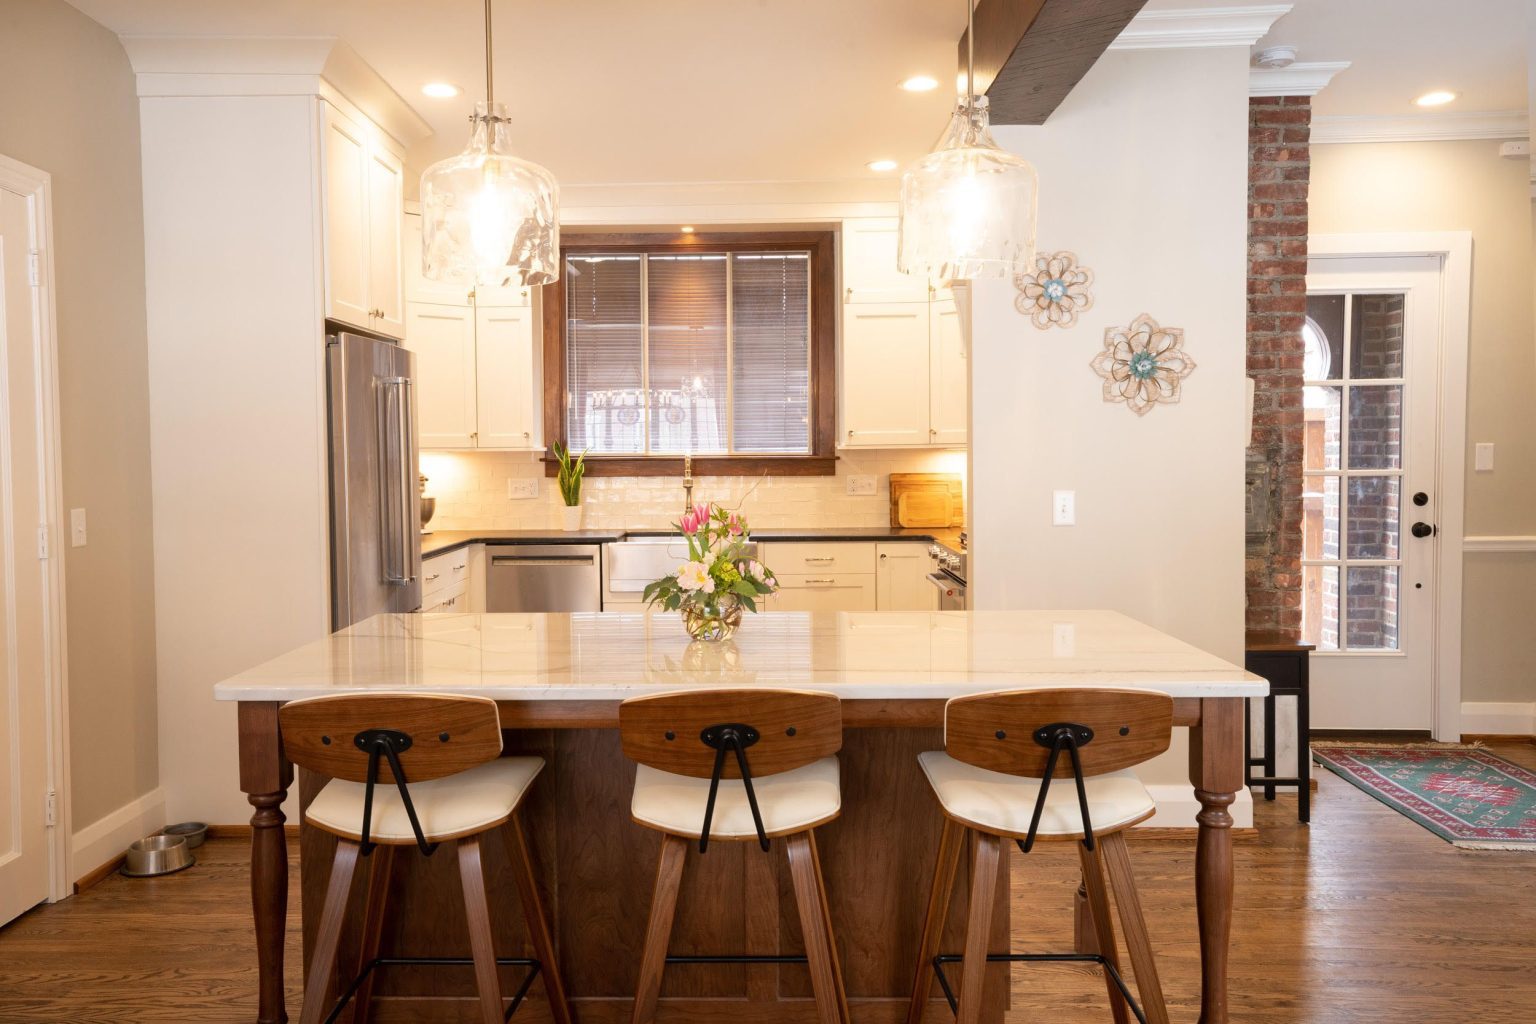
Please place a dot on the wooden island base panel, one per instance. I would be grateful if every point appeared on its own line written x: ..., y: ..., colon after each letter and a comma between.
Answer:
x: 558, y: 686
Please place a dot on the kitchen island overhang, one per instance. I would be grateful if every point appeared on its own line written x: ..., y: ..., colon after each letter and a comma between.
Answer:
x: 558, y: 680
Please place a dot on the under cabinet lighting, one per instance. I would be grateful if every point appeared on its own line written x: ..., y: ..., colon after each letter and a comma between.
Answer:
x: 441, y: 90
x: 1438, y: 98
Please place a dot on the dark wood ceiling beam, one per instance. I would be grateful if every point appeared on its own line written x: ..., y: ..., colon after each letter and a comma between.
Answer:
x: 1030, y: 53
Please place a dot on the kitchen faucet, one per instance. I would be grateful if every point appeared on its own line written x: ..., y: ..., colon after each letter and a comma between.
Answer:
x: 687, y: 484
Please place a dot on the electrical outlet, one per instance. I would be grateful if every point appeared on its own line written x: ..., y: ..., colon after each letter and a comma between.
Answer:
x: 523, y: 487
x: 1063, y: 508
x: 861, y: 484
x: 77, y: 527
x: 1483, y: 457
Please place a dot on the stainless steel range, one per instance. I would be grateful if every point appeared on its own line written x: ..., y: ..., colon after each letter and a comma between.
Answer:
x: 949, y: 575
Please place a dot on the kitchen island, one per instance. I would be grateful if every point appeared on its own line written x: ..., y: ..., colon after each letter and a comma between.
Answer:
x: 559, y: 679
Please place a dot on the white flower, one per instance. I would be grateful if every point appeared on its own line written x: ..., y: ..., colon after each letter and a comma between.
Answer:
x: 695, y: 576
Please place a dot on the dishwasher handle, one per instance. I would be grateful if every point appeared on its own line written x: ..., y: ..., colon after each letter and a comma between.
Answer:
x: 543, y: 560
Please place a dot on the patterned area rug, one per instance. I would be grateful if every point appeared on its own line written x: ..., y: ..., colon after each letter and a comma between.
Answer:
x: 1468, y: 797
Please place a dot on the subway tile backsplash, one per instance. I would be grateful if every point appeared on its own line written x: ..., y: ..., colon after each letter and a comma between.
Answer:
x: 472, y: 490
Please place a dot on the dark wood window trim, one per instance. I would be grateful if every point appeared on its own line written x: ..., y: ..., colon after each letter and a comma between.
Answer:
x: 822, y: 461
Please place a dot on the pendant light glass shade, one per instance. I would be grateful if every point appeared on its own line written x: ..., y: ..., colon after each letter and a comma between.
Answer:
x: 968, y: 209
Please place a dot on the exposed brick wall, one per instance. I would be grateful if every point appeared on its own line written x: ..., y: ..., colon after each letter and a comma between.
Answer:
x: 1279, y: 169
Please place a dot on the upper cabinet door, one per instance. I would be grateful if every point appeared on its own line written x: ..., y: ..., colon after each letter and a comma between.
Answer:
x: 443, y: 338
x: 869, y: 264
x: 507, y: 377
x: 950, y: 375
x: 345, y: 161
x: 386, y: 209
x: 885, y: 375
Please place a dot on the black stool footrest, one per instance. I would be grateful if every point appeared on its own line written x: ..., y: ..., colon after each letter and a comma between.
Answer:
x: 1035, y: 958
x: 438, y: 961
x: 712, y: 958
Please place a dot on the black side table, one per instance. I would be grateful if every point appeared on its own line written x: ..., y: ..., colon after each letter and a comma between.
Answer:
x: 1282, y: 661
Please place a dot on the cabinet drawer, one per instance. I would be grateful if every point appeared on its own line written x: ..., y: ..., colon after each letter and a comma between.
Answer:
x: 443, y: 571
x: 450, y: 599
x: 830, y: 592
x: 814, y: 558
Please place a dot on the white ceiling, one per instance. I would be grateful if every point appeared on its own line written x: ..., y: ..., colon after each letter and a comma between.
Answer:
x: 784, y: 90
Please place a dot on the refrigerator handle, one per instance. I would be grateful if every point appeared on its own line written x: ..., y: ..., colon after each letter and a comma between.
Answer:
x: 391, y: 398
x: 410, y: 538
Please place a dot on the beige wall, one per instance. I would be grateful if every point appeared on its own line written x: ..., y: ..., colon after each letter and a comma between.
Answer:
x: 1467, y: 186
x: 67, y: 106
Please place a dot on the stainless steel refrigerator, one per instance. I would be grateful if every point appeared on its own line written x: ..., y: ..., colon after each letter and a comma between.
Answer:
x: 375, y: 518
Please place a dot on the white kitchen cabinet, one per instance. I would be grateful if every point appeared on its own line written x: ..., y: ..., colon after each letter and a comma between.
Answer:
x: 443, y: 338
x: 901, y: 579
x: 363, y: 195
x: 829, y: 592
x: 869, y: 264
x: 885, y: 375
x: 949, y: 377
x: 506, y: 376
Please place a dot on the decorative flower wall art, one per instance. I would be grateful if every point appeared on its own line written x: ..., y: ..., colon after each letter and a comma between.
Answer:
x: 1056, y: 292
x: 1143, y: 364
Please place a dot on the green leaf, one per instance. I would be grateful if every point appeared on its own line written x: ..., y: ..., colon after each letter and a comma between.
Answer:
x: 750, y: 604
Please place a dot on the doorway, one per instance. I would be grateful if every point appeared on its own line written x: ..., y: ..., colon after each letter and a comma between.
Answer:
x: 1384, y: 406
x: 32, y: 865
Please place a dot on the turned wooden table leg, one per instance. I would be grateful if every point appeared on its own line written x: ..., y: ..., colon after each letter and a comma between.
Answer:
x: 1216, y: 769
x: 265, y: 775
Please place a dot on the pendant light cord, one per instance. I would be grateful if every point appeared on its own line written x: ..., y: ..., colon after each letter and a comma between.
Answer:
x: 970, y: 52
x: 490, y: 95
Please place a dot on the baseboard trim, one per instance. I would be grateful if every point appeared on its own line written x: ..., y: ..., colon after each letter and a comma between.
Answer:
x: 1492, y: 718
x: 244, y: 832
x: 103, y: 842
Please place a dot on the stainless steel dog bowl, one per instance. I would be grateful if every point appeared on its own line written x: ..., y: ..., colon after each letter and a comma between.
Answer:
x: 157, y: 855
x: 194, y: 832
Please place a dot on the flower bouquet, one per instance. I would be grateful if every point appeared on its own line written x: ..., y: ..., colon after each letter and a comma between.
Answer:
x: 718, y: 581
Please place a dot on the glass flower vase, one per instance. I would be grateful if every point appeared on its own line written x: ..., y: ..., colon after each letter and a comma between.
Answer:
x: 712, y: 618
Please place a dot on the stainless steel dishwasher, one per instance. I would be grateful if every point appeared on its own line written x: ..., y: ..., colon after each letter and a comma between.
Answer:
x: 544, y: 578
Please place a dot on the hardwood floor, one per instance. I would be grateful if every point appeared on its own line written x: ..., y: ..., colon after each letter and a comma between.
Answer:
x: 1363, y: 918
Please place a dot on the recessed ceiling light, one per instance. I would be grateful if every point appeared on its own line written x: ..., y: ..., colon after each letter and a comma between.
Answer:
x: 1438, y: 98
x: 441, y: 90
x: 687, y: 229
x: 920, y: 83
x: 882, y: 166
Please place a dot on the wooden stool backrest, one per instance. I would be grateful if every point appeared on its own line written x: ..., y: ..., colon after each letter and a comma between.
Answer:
x: 996, y: 731
x: 794, y: 728
x: 449, y: 734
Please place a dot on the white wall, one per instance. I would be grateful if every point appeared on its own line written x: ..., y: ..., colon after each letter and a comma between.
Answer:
x: 1143, y: 174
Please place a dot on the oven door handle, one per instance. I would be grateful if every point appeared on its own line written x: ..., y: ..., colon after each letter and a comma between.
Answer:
x: 944, y: 583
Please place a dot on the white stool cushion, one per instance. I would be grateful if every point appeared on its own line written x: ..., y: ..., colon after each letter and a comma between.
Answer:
x: 789, y: 802
x: 1003, y: 804
x: 458, y: 805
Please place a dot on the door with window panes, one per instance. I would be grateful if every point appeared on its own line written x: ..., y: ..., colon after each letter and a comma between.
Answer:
x: 1369, y: 489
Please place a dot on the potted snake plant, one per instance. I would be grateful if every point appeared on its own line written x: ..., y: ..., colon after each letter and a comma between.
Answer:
x: 569, y: 478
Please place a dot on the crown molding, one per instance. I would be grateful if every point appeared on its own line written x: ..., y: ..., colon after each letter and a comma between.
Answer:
x: 1295, y: 80
x: 1495, y: 124
x: 1199, y: 27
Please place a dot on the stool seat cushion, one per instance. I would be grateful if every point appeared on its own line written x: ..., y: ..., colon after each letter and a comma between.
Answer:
x: 1003, y: 804
x: 791, y: 801
x: 457, y: 805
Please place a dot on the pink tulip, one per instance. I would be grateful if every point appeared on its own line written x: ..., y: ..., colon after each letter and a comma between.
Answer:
x: 691, y: 522
x: 736, y: 525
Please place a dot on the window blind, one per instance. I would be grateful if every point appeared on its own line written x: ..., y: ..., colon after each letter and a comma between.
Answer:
x: 771, y: 365
x: 606, y: 404
x: 686, y: 350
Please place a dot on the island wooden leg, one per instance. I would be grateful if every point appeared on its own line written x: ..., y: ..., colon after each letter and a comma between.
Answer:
x: 265, y: 775
x: 1216, y: 769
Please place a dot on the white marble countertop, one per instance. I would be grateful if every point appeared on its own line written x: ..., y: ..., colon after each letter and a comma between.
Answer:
x: 857, y: 655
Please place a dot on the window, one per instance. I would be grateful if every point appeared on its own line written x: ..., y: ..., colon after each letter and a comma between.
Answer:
x: 715, y: 346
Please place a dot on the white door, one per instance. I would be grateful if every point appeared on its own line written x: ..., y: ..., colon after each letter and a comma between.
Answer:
x: 24, y: 849
x: 949, y: 383
x: 505, y: 378
x: 345, y: 151
x: 443, y: 338
x: 885, y: 374
x: 901, y: 579
x: 1370, y: 494
x: 869, y: 264
x: 386, y: 211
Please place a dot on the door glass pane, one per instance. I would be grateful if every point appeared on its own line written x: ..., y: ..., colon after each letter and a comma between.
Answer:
x: 1376, y: 336
x: 1323, y: 337
x: 1375, y: 426
x: 1374, y: 516
x: 1320, y: 517
x: 1320, y: 606
x: 1372, y: 607
x: 685, y: 342
x: 1321, y: 407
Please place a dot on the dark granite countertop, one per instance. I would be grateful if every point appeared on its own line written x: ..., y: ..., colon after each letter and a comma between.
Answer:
x: 439, y: 541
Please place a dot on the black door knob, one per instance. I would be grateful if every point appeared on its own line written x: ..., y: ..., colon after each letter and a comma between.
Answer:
x: 1422, y: 529
x: 1420, y: 498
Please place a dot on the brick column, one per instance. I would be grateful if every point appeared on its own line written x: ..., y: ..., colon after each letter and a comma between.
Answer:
x: 1279, y: 168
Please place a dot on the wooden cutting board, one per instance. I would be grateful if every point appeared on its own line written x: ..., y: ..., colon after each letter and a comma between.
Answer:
x: 927, y: 499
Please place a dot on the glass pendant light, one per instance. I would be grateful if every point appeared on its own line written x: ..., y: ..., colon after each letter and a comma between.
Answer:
x: 968, y: 207
x: 489, y: 217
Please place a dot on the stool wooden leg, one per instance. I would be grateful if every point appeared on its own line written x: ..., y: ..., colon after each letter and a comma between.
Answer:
x: 1117, y: 858
x: 819, y: 957
x: 381, y: 861
x: 653, y: 959
x: 322, y: 964
x: 948, y: 861
x: 533, y: 913
x: 478, y: 913
x: 826, y: 918
x: 1098, y: 906
x: 978, y: 926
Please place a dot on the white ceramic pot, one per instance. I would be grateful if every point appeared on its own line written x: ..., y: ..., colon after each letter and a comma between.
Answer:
x: 572, y: 517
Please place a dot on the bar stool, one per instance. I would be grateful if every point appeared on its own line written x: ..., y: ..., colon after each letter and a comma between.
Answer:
x: 448, y: 749
x: 697, y: 780
x: 993, y: 781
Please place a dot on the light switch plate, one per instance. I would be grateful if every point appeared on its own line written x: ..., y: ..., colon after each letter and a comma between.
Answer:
x: 77, y: 527
x: 1483, y: 457
x: 1063, y: 508
x: 523, y: 487
x: 861, y: 484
